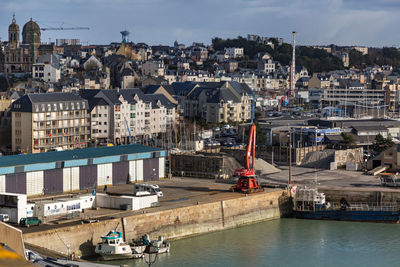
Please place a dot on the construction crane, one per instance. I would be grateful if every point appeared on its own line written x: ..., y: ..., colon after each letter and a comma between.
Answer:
x: 61, y: 28
x: 64, y: 28
x: 247, y: 182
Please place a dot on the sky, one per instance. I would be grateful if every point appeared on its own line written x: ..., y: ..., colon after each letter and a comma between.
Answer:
x: 317, y: 22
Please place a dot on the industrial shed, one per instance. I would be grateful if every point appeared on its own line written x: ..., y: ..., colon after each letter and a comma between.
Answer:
x: 58, y: 172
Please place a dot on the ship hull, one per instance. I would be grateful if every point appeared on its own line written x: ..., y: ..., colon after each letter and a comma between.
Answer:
x: 344, y: 215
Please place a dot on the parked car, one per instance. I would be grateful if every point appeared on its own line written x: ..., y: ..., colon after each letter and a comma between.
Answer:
x: 89, y: 220
x: 29, y: 221
x: 4, y: 218
x: 150, y: 188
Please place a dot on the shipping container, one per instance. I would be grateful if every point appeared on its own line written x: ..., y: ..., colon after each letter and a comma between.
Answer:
x: 87, y: 176
x: 16, y: 183
x: 53, y: 181
x: 161, y: 168
x: 34, y: 183
x: 136, y: 170
x: 2, y: 183
x: 104, y: 174
x: 150, y: 169
x: 120, y: 172
x: 70, y: 179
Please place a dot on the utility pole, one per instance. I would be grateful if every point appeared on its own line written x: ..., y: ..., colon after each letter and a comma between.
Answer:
x: 293, y: 74
x: 290, y: 157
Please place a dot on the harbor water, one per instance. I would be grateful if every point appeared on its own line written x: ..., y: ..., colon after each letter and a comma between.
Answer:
x: 287, y: 242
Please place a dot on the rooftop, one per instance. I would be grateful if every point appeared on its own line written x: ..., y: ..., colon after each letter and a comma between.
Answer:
x: 76, y: 154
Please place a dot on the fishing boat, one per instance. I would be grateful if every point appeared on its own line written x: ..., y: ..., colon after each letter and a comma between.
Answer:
x: 311, y: 204
x: 138, y: 246
x: 113, y: 247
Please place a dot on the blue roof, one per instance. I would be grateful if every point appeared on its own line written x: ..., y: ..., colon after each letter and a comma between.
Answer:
x: 84, y: 153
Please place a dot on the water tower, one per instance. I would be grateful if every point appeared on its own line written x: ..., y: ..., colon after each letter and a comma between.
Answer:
x: 125, y: 36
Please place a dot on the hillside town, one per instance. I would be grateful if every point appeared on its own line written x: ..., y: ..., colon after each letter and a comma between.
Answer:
x: 65, y: 95
x: 85, y: 129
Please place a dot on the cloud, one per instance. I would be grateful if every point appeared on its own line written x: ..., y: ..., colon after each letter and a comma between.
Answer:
x: 364, y: 22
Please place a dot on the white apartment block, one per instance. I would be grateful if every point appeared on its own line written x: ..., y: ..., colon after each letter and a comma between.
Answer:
x: 129, y: 113
x: 46, y: 72
x: 234, y: 52
x: 362, y: 49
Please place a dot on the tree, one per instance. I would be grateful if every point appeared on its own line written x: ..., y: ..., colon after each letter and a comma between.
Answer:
x: 381, y: 144
x: 348, y: 139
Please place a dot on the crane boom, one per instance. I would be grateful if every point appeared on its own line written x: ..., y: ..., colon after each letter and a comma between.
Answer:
x: 64, y: 28
x: 251, y: 148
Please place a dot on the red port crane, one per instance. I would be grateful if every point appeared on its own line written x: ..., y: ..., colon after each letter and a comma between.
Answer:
x: 247, y: 182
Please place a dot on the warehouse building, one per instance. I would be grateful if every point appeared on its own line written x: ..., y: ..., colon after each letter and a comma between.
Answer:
x: 66, y: 171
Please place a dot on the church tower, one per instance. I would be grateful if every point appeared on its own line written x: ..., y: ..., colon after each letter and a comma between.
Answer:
x: 13, y: 34
x: 31, y: 33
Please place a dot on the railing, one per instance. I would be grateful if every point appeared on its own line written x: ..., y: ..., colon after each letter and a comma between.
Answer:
x: 369, y: 206
x: 359, y: 206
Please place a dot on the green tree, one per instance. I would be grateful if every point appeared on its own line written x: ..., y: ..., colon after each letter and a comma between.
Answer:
x: 381, y: 144
x: 348, y: 139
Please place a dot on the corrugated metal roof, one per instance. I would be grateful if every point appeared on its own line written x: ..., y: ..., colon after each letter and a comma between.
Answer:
x: 85, y: 153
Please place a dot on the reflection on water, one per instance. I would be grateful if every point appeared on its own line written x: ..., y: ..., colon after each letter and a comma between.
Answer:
x: 287, y: 242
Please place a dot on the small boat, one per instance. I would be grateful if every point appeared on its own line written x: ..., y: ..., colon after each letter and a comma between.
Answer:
x: 138, y: 246
x: 113, y: 247
x: 390, y: 179
x: 311, y: 204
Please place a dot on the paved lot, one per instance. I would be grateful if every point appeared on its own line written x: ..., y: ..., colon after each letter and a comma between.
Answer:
x: 324, y: 178
x: 178, y: 192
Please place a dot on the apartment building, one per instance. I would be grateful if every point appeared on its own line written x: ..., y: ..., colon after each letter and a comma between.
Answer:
x: 46, y: 72
x: 153, y: 68
x: 47, y: 68
x: 118, y: 114
x: 41, y: 122
x: 266, y: 65
x: 320, y: 81
x: 234, y: 52
x: 219, y: 102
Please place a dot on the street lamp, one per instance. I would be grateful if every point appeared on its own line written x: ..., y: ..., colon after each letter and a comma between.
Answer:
x: 150, y: 254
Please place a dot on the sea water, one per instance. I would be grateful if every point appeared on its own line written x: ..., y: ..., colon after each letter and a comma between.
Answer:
x: 287, y: 242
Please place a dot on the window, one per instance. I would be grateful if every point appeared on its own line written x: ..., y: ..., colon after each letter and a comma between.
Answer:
x: 133, y: 107
x: 132, y: 115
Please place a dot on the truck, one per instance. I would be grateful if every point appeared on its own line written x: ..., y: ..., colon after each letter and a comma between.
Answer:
x: 147, y: 189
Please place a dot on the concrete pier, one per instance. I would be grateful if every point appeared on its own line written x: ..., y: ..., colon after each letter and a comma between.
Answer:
x: 170, y: 223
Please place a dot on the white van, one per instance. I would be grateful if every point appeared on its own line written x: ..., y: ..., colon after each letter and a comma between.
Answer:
x: 4, y: 218
x: 150, y: 188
